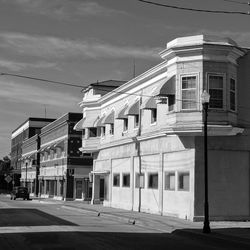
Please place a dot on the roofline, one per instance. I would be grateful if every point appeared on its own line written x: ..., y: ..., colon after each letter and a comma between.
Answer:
x: 34, y: 119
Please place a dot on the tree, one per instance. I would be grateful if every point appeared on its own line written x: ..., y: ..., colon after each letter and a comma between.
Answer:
x: 5, y: 165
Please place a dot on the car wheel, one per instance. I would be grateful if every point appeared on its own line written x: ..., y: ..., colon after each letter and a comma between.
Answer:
x: 11, y: 197
x: 14, y: 197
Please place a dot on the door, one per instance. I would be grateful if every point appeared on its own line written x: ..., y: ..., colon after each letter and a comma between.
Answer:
x: 79, y: 189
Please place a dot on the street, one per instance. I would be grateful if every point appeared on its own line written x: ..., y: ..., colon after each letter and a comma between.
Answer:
x: 50, y: 225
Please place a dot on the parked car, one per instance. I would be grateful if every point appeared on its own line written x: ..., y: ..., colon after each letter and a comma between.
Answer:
x: 19, y: 192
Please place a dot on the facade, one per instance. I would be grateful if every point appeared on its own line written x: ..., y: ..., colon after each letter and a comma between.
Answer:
x: 147, y: 136
x: 31, y: 164
x: 64, y: 170
x: 26, y: 130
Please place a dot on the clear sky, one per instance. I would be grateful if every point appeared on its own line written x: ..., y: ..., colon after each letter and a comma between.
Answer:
x: 84, y: 41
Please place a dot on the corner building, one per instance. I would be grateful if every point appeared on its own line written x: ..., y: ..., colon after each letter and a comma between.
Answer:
x: 148, y: 145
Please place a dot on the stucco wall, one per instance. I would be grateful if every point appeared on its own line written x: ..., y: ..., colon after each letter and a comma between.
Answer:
x: 228, y: 178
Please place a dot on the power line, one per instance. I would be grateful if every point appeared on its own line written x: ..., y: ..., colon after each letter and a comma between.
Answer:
x: 193, y: 9
x: 42, y: 79
x: 237, y: 2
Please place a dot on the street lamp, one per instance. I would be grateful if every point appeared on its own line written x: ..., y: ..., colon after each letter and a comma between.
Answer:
x: 205, y: 101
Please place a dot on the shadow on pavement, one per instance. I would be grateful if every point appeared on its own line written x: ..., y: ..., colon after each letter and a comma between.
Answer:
x: 11, y: 217
x: 179, y: 239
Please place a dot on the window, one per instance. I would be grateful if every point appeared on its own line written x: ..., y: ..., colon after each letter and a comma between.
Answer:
x: 171, y: 102
x: 139, y: 180
x: 188, y: 92
x: 153, y: 115
x: 153, y: 181
x: 136, y: 121
x: 232, y: 94
x: 170, y: 181
x: 125, y: 124
x: 183, y: 181
x: 111, y: 129
x: 92, y: 132
x: 116, y: 180
x: 103, y: 131
x: 126, y: 180
x: 215, y: 83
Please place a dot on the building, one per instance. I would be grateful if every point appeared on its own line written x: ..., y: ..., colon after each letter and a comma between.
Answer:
x: 26, y: 130
x: 147, y: 136
x: 31, y: 164
x: 64, y: 170
x: 91, y: 110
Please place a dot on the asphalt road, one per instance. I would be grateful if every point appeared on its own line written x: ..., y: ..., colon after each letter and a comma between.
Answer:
x: 35, y: 225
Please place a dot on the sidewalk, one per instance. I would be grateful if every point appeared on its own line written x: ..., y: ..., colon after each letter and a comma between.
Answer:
x: 160, y: 223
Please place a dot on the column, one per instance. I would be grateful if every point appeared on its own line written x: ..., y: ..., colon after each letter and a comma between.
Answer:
x: 96, y: 190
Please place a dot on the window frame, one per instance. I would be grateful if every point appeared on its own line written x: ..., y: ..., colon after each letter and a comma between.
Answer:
x: 151, y: 186
x: 118, y: 179
x: 136, y: 121
x: 196, y: 76
x: 235, y: 95
x: 111, y: 129
x: 123, y: 176
x: 167, y: 183
x: 181, y: 174
x: 91, y: 133
x: 125, y: 125
x: 223, y: 75
x: 153, y: 116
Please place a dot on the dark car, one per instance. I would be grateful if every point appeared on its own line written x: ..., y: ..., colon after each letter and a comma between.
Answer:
x: 20, y: 192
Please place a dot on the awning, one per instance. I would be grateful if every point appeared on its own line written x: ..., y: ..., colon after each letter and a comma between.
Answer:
x: 28, y: 155
x: 166, y: 88
x: 90, y: 121
x: 109, y: 119
x: 121, y: 114
x: 134, y: 109
x: 43, y: 148
x: 150, y: 103
x: 99, y: 122
x: 79, y: 125
x: 59, y: 144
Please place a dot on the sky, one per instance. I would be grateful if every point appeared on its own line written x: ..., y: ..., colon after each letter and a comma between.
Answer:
x: 82, y: 42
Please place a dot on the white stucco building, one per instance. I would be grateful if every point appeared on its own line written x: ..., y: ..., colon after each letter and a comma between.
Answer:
x: 147, y: 141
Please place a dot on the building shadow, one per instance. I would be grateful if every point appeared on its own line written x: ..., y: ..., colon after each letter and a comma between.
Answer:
x: 13, y: 217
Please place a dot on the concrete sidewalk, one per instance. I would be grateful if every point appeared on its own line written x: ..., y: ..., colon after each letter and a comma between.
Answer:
x: 159, y: 223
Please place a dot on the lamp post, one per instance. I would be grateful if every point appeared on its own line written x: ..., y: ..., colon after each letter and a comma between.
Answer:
x: 205, y: 101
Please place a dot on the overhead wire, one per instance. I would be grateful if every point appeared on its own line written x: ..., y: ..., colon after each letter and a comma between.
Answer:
x: 194, y: 9
x: 42, y: 80
x: 237, y: 2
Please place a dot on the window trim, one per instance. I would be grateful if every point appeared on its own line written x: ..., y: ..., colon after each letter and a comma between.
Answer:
x: 196, y: 75
x: 223, y: 75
